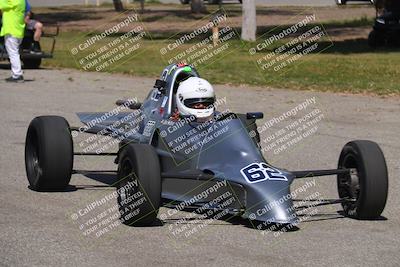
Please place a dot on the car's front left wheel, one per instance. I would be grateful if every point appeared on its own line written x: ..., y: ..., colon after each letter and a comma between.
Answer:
x: 139, y: 184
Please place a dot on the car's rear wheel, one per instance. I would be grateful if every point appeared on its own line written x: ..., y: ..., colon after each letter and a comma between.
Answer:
x: 394, y: 39
x: 376, y: 39
x: 32, y: 63
x: 139, y: 186
x: 365, y: 189
x: 48, y: 153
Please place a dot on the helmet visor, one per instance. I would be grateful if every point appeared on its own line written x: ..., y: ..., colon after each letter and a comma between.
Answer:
x: 199, y: 103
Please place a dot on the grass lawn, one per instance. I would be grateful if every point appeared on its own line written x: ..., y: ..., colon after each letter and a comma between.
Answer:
x: 357, y: 70
x: 346, y: 65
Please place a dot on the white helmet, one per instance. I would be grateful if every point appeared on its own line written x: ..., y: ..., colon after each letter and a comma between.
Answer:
x: 192, y: 92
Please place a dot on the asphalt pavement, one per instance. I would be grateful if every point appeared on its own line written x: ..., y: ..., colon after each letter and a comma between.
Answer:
x: 39, y: 229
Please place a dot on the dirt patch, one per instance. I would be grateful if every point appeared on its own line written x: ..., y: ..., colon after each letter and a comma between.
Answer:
x: 170, y: 19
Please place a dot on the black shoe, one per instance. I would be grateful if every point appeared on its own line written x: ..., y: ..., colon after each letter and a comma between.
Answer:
x: 35, y: 48
x: 19, y: 79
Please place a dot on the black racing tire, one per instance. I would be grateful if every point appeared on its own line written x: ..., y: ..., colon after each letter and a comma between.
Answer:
x: 394, y: 39
x: 185, y: 2
x: 139, y: 186
x: 32, y: 63
x: 368, y: 187
x: 376, y: 39
x: 251, y: 127
x: 49, y: 153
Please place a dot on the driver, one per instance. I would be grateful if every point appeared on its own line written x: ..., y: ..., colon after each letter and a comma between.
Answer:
x: 194, y: 97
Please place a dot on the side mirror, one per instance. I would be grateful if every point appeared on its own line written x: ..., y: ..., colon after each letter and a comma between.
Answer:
x: 129, y: 104
x: 254, y: 115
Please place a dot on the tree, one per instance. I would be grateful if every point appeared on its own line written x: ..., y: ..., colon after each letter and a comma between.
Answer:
x: 197, y: 6
x: 118, y: 5
x: 249, y: 23
x: 142, y: 6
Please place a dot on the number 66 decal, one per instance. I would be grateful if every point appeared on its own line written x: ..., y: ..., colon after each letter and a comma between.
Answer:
x: 257, y: 172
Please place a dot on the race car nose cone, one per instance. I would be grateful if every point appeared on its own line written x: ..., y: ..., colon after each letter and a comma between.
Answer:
x: 271, y: 201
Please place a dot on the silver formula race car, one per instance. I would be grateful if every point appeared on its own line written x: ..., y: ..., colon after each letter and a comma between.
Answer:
x: 191, y: 164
